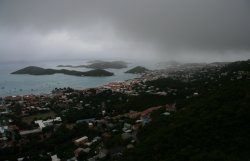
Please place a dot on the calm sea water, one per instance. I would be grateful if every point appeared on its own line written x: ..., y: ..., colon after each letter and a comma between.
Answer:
x: 27, y: 84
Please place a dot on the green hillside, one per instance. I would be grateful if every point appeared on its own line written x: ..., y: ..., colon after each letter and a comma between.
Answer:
x: 137, y: 70
x: 213, y: 126
x: 32, y: 70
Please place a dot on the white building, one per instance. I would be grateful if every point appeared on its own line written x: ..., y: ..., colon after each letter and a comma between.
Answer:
x: 42, y: 124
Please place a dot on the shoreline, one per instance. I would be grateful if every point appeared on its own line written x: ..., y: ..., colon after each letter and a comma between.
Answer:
x: 118, y: 86
x: 103, y: 86
x: 30, y: 85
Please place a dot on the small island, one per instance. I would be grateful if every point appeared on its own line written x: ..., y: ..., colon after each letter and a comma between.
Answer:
x: 70, y: 66
x: 33, y: 70
x: 97, y: 64
x: 137, y: 70
x: 107, y: 65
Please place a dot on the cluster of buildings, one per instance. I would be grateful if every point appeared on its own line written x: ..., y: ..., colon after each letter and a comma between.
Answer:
x: 113, y: 127
x: 29, y: 104
x: 107, y: 126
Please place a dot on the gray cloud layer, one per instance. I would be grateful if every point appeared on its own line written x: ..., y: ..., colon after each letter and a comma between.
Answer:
x: 188, y: 30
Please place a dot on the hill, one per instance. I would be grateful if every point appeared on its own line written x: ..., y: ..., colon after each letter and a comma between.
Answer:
x: 137, y: 70
x: 210, y: 126
x: 63, y: 66
x: 98, y: 64
x: 237, y: 66
x: 107, y: 65
x: 98, y: 72
x: 33, y: 70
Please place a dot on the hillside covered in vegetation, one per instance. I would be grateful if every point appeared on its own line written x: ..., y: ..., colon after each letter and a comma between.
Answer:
x: 98, y: 64
x: 32, y: 70
x: 137, y: 70
x: 210, y: 126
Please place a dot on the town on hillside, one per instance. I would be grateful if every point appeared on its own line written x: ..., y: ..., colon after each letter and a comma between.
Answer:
x: 101, y: 123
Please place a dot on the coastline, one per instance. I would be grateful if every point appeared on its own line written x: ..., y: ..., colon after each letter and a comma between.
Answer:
x: 28, y: 84
x: 37, y: 93
x: 116, y: 86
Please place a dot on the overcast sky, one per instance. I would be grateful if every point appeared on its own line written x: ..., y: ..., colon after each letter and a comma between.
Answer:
x: 163, y: 30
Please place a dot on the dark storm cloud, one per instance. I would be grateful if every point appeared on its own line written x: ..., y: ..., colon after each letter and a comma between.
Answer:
x: 174, y: 29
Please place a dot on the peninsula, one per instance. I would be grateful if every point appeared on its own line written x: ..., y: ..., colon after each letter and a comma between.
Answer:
x: 33, y: 70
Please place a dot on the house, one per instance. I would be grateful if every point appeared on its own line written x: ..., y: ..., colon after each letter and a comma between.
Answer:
x: 145, y: 119
x: 42, y: 124
x: 86, y: 120
x: 126, y: 136
x: 91, y: 159
x: 127, y: 128
x: 130, y: 146
x: 72, y: 159
x: 90, y: 124
x: 97, y: 138
x: 88, y: 143
x: 55, y: 158
x: 171, y: 107
x: 81, y: 141
x: 196, y: 93
x: 79, y: 150
x: 102, y: 154
x: 3, y: 129
x: 166, y: 113
x: 13, y: 98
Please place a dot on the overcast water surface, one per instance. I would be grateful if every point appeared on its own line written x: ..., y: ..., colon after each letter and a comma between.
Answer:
x: 11, y: 84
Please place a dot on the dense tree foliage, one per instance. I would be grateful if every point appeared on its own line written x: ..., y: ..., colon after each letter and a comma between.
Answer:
x: 212, y: 126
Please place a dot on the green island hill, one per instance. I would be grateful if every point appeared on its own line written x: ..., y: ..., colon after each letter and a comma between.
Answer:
x: 100, y: 65
x: 33, y: 70
x: 137, y: 70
